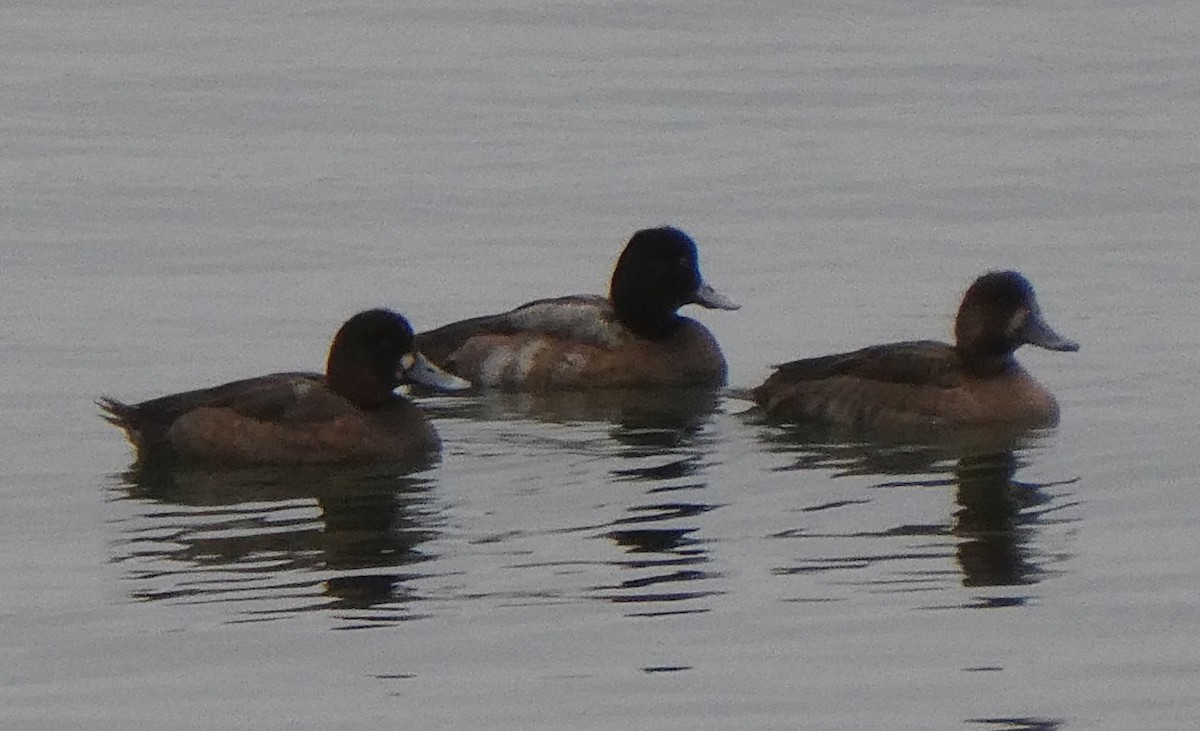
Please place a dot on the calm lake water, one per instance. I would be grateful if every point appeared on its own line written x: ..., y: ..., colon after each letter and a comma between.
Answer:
x: 197, y: 194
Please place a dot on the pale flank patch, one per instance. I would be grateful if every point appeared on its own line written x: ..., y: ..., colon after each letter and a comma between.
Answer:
x: 525, y: 358
x: 492, y: 368
x: 571, y: 363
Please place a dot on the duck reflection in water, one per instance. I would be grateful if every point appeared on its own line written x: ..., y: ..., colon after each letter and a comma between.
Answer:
x: 651, y: 423
x: 659, y: 534
x: 661, y: 438
x: 249, y: 536
x: 657, y: 418
x: 996, y: 519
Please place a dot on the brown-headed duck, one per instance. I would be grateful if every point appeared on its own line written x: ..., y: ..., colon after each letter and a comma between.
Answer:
x: 976, y: 381
x: 350, y: 413
x: 634, y: 338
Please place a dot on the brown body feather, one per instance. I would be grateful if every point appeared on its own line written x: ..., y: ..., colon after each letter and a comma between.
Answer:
x: 633, y: 338
x: 351, y: 413
x: 976, y: 381
x: 919, y: 383
x: 280, y: 418
x: 573, y: 343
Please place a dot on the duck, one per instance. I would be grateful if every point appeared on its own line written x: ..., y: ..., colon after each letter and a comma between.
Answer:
x: 632, y: 339
x: 350, y: 413
x: 926, y: 383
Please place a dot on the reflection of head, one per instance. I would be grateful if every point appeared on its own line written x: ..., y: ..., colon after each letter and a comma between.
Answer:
x: 990, y: 552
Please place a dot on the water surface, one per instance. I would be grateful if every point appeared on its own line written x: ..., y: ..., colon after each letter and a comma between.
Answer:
x: 200, y: 194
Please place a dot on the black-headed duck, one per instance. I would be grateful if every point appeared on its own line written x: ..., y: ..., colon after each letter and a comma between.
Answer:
x: 351, y: 413
x: 976, y: 381
x: 634, y: 338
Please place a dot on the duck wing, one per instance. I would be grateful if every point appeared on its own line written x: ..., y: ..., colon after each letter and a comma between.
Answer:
x: 583, y: 318
x: 900, y: 384
x: 275, y: 397
x: 914, y: 363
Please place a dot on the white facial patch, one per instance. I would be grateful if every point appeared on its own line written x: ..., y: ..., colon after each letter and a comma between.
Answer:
x: 1016, y: 322
x: 406, y: 361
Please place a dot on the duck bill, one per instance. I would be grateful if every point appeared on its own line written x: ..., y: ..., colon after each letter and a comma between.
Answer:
x: 416, y: 368
x: 1037, y: 332
x: 708, y: 297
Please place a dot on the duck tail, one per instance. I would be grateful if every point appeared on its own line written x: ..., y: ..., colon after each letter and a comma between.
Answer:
x: 115, y: 412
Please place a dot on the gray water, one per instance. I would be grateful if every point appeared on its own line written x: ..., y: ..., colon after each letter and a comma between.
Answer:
x: 197, y: 194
